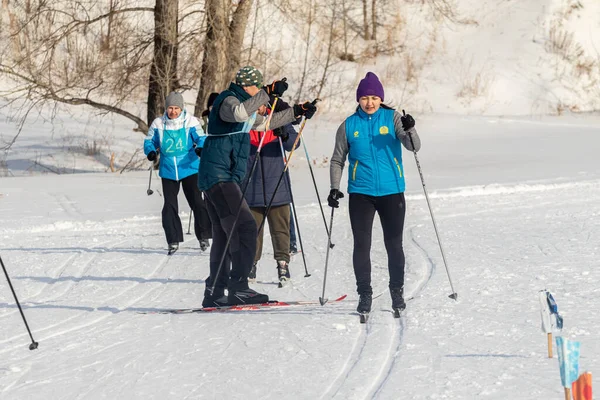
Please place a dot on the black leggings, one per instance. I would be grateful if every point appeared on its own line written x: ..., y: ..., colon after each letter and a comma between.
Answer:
x: 391, y: 210
x: 224, y: 202
x: 170, y: 212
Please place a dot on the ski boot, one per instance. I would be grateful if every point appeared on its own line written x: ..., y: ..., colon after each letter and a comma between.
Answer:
x: 173, y: 248
x: 216, y: 299
x: 364, y: 306
x: 252, y: 274
x: 246, y: 296
x: 283, y: 272
x: 204, y: 244
x: 398, y: 303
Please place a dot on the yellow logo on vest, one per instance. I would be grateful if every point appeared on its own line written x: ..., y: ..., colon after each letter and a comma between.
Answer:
x: 384, y: 130
x: 356, y: 134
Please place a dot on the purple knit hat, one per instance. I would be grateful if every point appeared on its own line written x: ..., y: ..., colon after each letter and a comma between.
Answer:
x: 369, y: 86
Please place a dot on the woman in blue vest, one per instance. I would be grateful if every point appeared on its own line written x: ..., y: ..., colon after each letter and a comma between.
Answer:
x: 179, y: 138
x: 371, y: 139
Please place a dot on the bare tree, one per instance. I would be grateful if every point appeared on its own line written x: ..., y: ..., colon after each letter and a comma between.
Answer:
x: 345, y: 26
x: 237, y: 31
x: 307, y: 51
x: 101, y: 54
x: 163, y: 72
x: 226, y: 26
x: 374, y: 19
x: 254, y: 32
x: 329, y: 49
x: 63, y: 57
x: 367, y: 35
x: 443, y: 10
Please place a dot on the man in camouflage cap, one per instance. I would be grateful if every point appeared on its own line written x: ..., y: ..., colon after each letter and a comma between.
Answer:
x: 222, y: 170
x: 249, y: 76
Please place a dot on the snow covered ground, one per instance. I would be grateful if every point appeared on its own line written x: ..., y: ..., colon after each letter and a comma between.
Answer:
x: 517, y: 203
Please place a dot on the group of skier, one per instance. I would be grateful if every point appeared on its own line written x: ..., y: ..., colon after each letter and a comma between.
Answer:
x: 237, y: 162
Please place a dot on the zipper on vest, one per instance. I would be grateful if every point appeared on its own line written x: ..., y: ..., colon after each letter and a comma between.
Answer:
x: 398, y: 165
x: 354, y: 170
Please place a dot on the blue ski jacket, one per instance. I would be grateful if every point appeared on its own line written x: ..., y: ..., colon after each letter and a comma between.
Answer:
x: 176, y: 140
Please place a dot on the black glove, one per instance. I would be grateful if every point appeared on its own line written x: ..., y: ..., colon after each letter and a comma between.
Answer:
x: 407, y: 121
x: 334, y: 195
x: 198, y: 151
x: 276, y: 88
x: 151, y: 156
x: 282, y: 133
x: 307, y: 109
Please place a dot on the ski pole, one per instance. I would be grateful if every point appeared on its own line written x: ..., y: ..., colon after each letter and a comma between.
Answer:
x: 262, y: 175
x: 454, y: 295
x: 190, y: 223
x: 312, y: 174
x: 34, y: 344
x: 322, y: 299
x: 150, y: 191
x: 289, y: 184
x: 239, y: 209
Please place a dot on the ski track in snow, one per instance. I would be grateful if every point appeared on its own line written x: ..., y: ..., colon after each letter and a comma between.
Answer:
x: 70, y: 261
x: 81, y: 321
x: 81, y: 269
x: 379, y: 341
x: 88, y: 323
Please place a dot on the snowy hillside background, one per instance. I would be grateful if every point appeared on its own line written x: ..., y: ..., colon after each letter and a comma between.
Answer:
x: 510, y: 132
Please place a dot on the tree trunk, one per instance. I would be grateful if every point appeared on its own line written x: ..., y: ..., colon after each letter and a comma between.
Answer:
x: 106, y: 40
x: 374, y: 19
x: 254, y: 30
x: 215, y: 52
x: 366, y: 21
x: 163, y: 71
x: 222, y: 47
x: 237, y: 30
x: 305, y: 64
x: 345, y: 26
x: 9, y: 25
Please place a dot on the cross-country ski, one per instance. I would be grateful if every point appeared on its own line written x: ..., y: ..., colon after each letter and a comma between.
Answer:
x: 242, y: 307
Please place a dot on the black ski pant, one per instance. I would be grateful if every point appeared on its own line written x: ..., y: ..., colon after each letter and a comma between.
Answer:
x: 224, y: 201
x: 170, y: 213
x: 391, y: 210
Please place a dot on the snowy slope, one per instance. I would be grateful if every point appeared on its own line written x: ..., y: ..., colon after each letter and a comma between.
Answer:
x: 493, y: 57
x: 517, y: 204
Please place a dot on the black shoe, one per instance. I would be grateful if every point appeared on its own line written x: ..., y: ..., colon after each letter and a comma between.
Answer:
x: 173, y: 248
x: 293, y: 249
x: 397, y: 295
x: 252, y: 275
x: 216, y: 299
x: 364, y: 303
x: 246, y: 296
x: 204, y: 244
